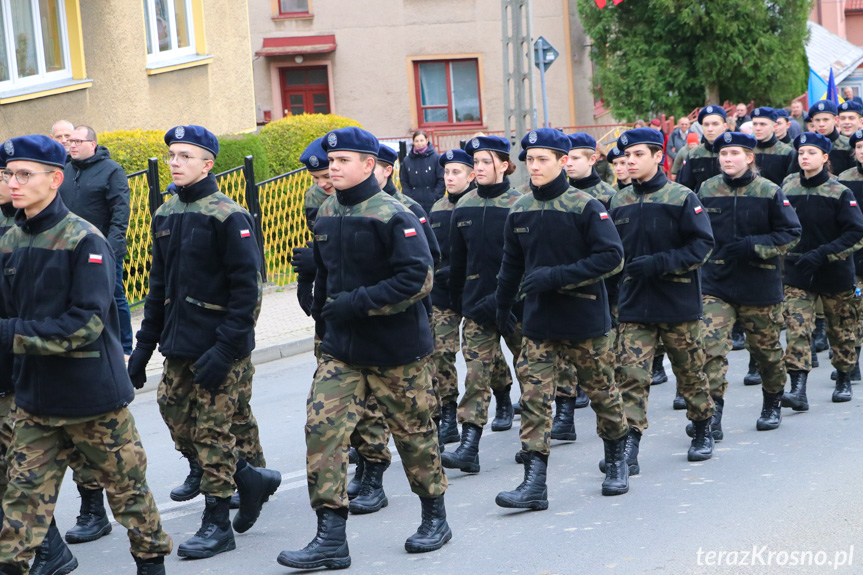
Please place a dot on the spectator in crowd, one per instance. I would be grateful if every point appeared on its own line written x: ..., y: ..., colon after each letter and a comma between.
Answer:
x: 741, y: 116
x: 848, y: 95
x: 677, y: 139
x: 640, y: 123
x: 746, y: 128
x: 61, y: 132
x: 692, y: 140
x: 421, y: 175
x: 797, y: 115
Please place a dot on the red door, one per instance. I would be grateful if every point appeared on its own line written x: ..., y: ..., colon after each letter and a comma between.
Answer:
x: 305, y: 91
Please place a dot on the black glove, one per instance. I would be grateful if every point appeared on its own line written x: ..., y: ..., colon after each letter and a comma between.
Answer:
x: 339, y: 308
x: 303, y: 260
x: 505, y: 321
x: 304, y: 296
x: 486, y: 310
x: 739, y: 250
x: 809, y: 262
x: 541, y: 279
x: 441, y: 277
x: 211, y: 369
x: 138, y: 366
x: 642, y: 266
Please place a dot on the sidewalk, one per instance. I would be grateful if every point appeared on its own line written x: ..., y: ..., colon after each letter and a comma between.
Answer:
x: 283, y: 330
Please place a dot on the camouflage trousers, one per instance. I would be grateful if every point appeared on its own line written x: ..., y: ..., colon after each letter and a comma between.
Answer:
x: 485, y: 372
x: 446, y: 325
x: 405, y: 399
x: 202, y: 422
x: 593, y: 361
x: 371, y: 436
x: 110, y: 446
x: 762, y: 325
x: 840, y: 311
x: 637, y: 343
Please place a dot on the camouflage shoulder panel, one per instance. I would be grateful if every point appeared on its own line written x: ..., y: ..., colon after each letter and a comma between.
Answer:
x: 443, y: 205
x: 761, y: 188
x: 314, y: 197
x: 624, y: 197
x: 216, y: 205
x: 791, y: 181
x: 700, y: 152
x: 851, y: 175
x: 601, y: 191
x: 714, y: 187
x: 381, y: 207
x: 672, y: 194
x: 842, y: 143
x: 169, y: 207
x: 328, y: 207
x: 66, y: 234
x: 783, y: 149
x: 832, y: 189
x: 405, y: 199
x: 470, y: 199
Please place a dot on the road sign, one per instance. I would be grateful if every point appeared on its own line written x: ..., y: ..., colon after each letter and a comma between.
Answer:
x: 544, y: 53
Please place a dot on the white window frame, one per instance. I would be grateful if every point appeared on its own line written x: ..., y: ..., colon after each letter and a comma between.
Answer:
x: 174, y: 52
x: 41, y: 77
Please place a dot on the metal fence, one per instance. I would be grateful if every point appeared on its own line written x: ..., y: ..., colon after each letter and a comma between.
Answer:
x: 276, y: 205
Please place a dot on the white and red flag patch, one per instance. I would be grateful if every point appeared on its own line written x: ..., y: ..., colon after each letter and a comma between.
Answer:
x: 422, y: 220
x: 853, y: 202
x: 245, y: 234
x: 786, y: 203
x: 603, y: 215
x: 95, y: 259
x: 698, y: 209
x: 410, y: 232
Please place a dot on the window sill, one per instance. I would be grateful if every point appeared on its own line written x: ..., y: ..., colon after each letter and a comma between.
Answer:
x: 453, y: 127
x: 295, y: 16
x: 43, y: 90
x: 178, y: 64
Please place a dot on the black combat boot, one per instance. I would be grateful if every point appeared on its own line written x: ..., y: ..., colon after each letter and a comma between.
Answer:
x: 353, y: 455
x: 679, y: 402
x: 516, y: 407
x: 796, y: 398
x: 658, y: 374
x: 503, y: 410
x: 738, y: 337
x: 328, y: 549
x: 715, y: 424
x: 563, y: 425
x: 371, y: 497
x: 753, y: 377
x: 532, y: 493
x: 842, y: 393
x: 616, y: 467
x: 819, y: 336
x: 855, y: 372
x: 254, y: 485
x: 701, y: 448
x: 771, y: 411
x: 581, y: 399
x: 448, y: 430
x: 633, y: 440
x: 92, y: 520
x: 191, y: 487
x: 53, y: 556
x: 434, y: 531
x: 814, y: 356
x: 155, y: 566
x: 519, y: 457
x: 10, y: 570
x: 357, y: 482
x: 466, y: 456
x: 215, y: 534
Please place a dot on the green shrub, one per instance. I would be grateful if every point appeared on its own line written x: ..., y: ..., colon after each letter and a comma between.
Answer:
x: 234, y: 148
x: 131, y: 148
x: 286, y: 138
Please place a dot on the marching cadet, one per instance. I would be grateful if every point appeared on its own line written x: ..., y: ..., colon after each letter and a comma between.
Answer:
x: 458, y: 177
x: 374, y: 269
x: 566, y: 314
x: 72, y: 390
x: 476, y: 250
x: 823, y: 116
x: 781, y: 129
x: 660, y: 299
x: 753, y: 225
x: 820, y: 266
x: 850, y: 119
x: 204, y: 297
x: 618, y: 164
x: 852, y: 179
x: 702, y: 163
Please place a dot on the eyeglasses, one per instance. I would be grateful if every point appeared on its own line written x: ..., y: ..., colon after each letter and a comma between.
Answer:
x: 77, y: 142
x: 181, y: 159
x: 23, y: 176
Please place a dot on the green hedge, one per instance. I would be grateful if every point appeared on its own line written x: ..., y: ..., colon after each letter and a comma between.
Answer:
x: 132, y: 148
x: 286, y: 138
x: 233, y: 150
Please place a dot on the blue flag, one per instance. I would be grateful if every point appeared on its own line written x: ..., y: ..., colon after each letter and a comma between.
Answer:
x: 817, y: 87
x: 832, y: 93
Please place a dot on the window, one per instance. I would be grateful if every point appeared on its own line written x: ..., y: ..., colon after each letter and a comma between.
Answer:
x: 447, y: 92
x: 35, y: 44
x: 305, y: 91
x: 293, y: 7
x: 170, y: 29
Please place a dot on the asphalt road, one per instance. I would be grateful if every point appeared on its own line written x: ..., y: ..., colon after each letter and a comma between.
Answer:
x: 791, y: 496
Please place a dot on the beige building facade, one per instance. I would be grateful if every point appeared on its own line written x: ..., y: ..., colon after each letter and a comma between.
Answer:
x: 125, y: 64
x: 399, y: 65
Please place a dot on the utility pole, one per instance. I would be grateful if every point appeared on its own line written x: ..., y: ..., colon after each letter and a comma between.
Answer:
x: 519, y: 94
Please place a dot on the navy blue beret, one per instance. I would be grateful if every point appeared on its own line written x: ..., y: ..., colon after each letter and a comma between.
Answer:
x: 581, y: 140
x: 851, y: 106
x: 41, y: 149
x: 2, y: 157
x: 729, y: 139
x: 351, y: 140
x: 387, y: 155
x: 781, y: 113
x: 711, y: 110
x: 640, y: 136
x: 314, y: 157
x: 546, y: 138
x: 489, y: 143
x: 457, y: 156
x: 813, y: 139
x: 195, y: 135
x: 614, y: 154
x: 764, y: 112
x: 855, y: 137
x: 806, y: 118
x: 522, y: 156
x: 823, y: 107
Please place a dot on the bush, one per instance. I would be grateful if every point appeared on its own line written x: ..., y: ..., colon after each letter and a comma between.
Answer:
x: 234, y: 148
x: 286, y: 138
x: 131, y: 148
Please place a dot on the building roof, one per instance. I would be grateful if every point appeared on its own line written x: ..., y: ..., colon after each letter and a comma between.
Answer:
x: 854, y: 6
x: 826, y: 50
x: 290, y: 45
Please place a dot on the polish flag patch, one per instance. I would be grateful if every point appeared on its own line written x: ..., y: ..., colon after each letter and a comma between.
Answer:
x: 786, y: 203
x: 603, y: 215
x: 853, y: 202
x: 95, y: 259
x: 245, y: 234
x: 698, y: 209
x: 410, y: 232
x: 422, y: 220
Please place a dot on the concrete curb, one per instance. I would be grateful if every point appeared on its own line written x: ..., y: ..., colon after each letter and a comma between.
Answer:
x: 259, y: 356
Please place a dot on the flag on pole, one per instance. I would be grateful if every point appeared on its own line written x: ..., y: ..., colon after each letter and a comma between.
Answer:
x: 832, y: 94
x: 817, y: 87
